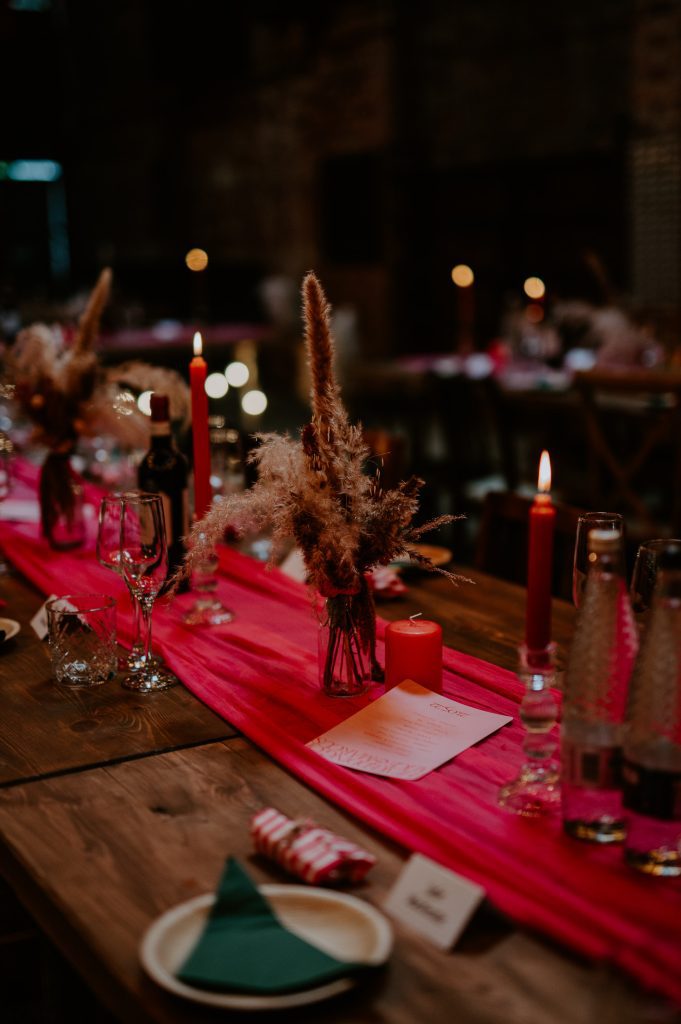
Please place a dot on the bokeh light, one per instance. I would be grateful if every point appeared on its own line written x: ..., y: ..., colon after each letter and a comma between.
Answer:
x: 144, y: 402
x: 254, y: 403
x: 237, y: 374
x: 534, y: 288
x: 216, y: 385
x: 196, y: 259
x: 462, y: 276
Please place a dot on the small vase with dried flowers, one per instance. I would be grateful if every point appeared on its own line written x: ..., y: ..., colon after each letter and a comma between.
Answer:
x: 318, y: 491
x: 54, y: 382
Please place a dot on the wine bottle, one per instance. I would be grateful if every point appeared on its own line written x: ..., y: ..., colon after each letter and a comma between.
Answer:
x: 164, y: 471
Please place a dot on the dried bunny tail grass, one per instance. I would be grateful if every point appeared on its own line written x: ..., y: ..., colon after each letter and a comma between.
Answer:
x: 88, y: 325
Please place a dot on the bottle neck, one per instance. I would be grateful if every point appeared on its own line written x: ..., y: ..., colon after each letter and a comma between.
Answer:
x: 161, y: 436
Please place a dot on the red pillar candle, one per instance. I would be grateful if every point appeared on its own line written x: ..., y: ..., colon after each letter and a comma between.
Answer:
x: 413, y: 650
x: 197, y: 377
x: 540, y: 562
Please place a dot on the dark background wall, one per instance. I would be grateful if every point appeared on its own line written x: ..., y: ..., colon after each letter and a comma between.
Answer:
x: 380, y: 142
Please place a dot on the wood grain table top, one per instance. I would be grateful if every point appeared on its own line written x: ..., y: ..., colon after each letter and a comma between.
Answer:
x: 105, y: 826
x: 47, y: 730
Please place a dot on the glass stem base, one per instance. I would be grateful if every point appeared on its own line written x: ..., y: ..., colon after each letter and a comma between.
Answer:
x: 150, y: 678
x: 536, y: 790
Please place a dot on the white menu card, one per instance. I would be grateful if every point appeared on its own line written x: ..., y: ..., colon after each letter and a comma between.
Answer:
x: 406, y: 733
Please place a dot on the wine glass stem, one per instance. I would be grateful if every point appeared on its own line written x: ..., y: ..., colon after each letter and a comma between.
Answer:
x: 146, y: 608
x: 136, y: 626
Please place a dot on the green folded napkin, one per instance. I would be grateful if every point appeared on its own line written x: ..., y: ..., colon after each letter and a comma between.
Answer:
x: 244, y: 948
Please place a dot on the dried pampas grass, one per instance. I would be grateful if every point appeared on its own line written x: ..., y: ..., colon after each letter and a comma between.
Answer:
x: 317, y: 490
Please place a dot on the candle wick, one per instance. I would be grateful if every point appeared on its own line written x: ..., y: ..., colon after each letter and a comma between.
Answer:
x: 415, y: 616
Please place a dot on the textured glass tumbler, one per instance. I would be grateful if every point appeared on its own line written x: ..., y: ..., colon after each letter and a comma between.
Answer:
x: 82, y: 639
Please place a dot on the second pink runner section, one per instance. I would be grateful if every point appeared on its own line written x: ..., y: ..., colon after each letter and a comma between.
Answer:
x: 260, y: 673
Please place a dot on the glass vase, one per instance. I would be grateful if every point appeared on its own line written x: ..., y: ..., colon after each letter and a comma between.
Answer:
x: 345, y: 648
x: 61, y: 502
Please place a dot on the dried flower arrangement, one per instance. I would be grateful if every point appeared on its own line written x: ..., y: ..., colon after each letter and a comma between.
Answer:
x: 53, y: 384
x: 317, y: 491
x: 62, y: 388
x: 54, y: 381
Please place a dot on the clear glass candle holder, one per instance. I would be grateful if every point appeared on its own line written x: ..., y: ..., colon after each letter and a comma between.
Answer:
x: 536, y: 789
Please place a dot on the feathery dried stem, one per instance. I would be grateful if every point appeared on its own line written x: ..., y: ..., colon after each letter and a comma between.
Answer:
x: 318, y: 491
x: 88, y: 325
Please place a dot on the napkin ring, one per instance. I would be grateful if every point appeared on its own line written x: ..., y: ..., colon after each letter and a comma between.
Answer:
x: 307, y: 850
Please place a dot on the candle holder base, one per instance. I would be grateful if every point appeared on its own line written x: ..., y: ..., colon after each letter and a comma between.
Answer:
x: 536, y: 790
x: 535, y: 793
x: 207, y: 610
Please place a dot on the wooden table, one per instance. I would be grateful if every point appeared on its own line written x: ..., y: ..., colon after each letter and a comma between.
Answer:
x: 114, y: 807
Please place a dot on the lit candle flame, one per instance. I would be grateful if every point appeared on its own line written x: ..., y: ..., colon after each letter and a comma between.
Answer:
x: 198, y: 344
x: 544, y: 481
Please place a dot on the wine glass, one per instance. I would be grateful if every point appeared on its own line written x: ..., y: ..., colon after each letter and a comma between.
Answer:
x: 144, y: 566
x: 109, y: 555
x: 586, y: 522
x: 645, y: 571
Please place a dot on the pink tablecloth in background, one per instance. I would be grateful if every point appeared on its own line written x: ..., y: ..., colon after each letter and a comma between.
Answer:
x: 260, y: 673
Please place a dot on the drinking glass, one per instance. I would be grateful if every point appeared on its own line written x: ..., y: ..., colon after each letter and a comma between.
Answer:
x: 109, y: 555
x: 645, y: 571
x: 144, y: 565
x: 82, y: 639
x: 585, y: 523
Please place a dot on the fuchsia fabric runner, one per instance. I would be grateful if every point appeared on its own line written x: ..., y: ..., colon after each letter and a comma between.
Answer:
x: 260, y: 673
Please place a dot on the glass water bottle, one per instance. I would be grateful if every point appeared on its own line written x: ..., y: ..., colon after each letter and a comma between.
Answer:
x: 599, y: 669
x: 652, y: 744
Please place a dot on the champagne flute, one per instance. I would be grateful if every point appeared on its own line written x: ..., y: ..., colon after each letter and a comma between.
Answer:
x: 645, y: 571
x: 586, y: 522
x: 144, y: 565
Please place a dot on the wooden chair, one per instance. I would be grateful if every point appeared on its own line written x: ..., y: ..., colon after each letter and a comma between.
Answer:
x: 389, y: 454
x: 501, y: 548
x: 632, y: 419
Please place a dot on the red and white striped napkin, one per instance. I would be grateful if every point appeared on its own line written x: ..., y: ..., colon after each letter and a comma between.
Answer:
x: 307, y: 850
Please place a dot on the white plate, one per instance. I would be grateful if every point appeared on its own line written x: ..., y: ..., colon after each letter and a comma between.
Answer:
x: 338, y: 924
x: 10, y: 627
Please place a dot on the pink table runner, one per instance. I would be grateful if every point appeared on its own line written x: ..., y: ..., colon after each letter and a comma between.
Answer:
x: 260, y: 673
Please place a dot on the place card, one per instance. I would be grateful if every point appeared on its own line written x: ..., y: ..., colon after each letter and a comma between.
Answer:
x: 406, y: 733
x: 433, y: 901
x: 39, y: 620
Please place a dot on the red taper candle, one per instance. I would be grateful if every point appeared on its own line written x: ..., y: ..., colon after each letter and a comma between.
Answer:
x: 413, y: 650
x: 197, y: 377
x: 540, y: 562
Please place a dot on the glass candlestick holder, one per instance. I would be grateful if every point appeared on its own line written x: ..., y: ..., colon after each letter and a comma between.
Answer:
x: 536, y: 790
x: 208, y: 609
